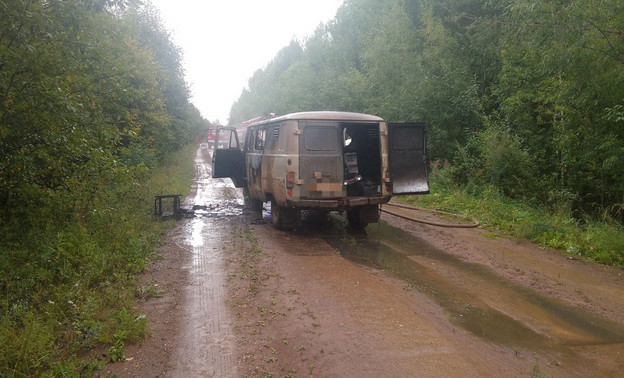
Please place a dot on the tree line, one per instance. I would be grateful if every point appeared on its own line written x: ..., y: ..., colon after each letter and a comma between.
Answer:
x: 520, y: 96
x: 92, y: 99
x: 85, y: 84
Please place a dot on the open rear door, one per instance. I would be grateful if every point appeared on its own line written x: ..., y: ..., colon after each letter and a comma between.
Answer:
x: 227, y: 159
x: 407, y: 158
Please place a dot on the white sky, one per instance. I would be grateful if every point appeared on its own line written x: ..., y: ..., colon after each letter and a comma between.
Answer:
x: 225, y: 41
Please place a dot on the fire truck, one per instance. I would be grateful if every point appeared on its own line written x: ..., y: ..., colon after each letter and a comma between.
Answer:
x: 211, y: 134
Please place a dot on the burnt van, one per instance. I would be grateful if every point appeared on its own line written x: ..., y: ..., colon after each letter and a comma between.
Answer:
x: 326, y: 161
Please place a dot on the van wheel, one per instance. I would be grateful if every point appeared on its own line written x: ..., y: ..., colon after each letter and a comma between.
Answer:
x: 256, y: 205
x: 353, y: 216
x: 284, y: 218
x: 360, y: 217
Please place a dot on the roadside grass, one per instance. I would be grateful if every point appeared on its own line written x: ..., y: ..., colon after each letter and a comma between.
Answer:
x: 69, y: 266
x: 175, y: 175
x: 592, y: 240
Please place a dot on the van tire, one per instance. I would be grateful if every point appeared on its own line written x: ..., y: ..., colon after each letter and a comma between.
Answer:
x: 360, y: 217
x: 256, y: 205
x: 353, y: 216
x: 284, y: 218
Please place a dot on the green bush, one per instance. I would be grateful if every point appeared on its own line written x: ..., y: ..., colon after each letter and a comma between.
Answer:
x: 550, y: 226
x: 69, y: 266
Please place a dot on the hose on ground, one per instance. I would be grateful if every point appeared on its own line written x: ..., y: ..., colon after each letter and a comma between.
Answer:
x: 447, y: 225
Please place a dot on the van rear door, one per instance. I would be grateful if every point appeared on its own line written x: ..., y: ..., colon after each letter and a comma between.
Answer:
x: 227, y: 158
x: 407, y: 158
x: 320, y: 160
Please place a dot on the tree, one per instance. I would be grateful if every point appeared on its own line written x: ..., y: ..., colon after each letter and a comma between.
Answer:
x: 562, y: 74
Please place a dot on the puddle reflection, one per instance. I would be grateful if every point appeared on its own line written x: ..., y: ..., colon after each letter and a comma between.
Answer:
x: 197, y: 233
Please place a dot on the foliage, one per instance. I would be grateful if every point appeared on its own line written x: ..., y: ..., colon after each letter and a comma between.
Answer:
x: 92, y: 101
x: 70, y: 288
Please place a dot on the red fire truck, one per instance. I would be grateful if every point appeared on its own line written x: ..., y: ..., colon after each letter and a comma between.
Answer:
x: 211, y: 133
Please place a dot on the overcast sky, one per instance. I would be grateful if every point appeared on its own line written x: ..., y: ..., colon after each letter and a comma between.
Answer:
x: 225, y: 41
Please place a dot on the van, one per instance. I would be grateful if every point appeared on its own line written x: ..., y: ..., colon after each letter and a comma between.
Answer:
x: 326, y: 161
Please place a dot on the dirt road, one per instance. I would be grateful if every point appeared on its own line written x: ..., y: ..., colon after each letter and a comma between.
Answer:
x: 399, y: 299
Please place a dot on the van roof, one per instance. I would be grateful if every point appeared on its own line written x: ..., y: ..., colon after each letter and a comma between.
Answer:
x: 325, y: 116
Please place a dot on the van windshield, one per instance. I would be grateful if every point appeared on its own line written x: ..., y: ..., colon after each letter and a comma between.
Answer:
x: 321, y: 138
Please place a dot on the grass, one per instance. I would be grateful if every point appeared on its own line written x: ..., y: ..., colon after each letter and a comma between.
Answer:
x: 175, y: 175
x: 593, y: 240
x: 68, y: 270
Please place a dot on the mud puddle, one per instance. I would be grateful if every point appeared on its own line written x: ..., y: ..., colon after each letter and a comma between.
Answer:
x: 473, y: 296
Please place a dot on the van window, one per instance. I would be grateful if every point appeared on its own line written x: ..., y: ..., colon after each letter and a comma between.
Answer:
x: 407, y: 138
x: 227, y: 139
x: 321, y: 138
x: 260, y: 139
x: 272, y: 137
x: 283, y: 141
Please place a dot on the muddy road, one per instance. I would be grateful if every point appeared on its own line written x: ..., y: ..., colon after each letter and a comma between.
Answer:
x: 398, y: 299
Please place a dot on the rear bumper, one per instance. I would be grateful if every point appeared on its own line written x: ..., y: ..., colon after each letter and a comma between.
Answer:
x: 337, y: 204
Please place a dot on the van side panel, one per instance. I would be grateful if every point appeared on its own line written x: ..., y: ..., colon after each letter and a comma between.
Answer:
x: 277, y: 161
x: 274, y: 184
x: 253, y: 161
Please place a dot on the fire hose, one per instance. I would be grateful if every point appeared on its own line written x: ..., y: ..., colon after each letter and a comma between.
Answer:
x: 448, y: 225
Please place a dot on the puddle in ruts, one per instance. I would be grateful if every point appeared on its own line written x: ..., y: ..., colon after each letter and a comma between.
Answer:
x: 473, y: 296
x: 207, y: 345
x: 216, y: 209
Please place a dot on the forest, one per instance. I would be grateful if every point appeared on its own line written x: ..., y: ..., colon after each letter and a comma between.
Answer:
x: 522, y: 97
x: 93, y: 101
